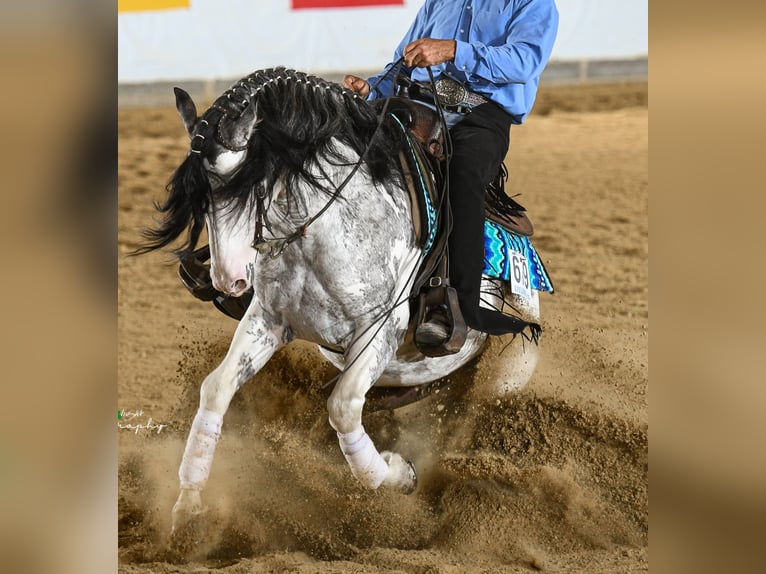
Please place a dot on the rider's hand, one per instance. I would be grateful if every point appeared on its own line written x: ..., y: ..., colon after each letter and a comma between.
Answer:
x: 429, y: 52
x: 356, y: 84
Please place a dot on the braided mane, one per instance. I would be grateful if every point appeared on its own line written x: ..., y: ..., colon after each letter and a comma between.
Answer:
x: 301, y: 120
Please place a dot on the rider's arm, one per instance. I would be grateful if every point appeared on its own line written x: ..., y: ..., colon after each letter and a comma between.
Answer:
x: 415, y: 32
x: 529, y: 42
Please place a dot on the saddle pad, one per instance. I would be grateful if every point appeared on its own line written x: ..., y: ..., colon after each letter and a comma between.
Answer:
x: 499, y: 243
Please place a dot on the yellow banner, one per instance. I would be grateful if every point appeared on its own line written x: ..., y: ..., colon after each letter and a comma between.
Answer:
x: 148, y: 5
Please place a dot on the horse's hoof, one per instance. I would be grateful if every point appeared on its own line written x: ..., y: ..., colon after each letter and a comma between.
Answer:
x: 401, y: 473
x: 188, y: 527
x: 188, y: 533
x: 412, y: 479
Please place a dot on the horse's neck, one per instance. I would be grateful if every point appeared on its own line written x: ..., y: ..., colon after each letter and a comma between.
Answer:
x: 301, y: 200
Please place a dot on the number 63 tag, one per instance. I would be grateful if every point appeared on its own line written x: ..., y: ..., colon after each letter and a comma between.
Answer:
x: 520, y: 275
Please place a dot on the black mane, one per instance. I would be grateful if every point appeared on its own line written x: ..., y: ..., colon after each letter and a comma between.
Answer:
x: 299, y: 117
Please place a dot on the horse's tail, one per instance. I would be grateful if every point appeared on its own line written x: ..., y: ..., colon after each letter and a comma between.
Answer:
x: 185, y: 207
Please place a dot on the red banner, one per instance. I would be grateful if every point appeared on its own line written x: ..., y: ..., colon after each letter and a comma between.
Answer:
x: 301, y: 4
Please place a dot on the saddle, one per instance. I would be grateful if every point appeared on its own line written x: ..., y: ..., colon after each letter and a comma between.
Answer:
x: 422, y: 162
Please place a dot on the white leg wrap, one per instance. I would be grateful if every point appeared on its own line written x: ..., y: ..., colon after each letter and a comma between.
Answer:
x: 200, y: 447
x: 366, y: 464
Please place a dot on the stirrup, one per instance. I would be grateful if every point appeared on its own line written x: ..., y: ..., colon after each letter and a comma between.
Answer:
x: 440, y: 294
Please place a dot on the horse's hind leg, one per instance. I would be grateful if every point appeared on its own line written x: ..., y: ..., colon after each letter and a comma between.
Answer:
x: 254, y: 342
x: 366, y: 360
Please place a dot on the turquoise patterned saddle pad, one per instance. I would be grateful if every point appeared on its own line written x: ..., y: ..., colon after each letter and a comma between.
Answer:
x: 501, y: 257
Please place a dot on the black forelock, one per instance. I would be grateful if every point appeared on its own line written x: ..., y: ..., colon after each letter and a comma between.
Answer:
x: 184, y: 209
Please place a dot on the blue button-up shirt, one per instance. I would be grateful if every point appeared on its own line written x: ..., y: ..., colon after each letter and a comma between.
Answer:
x: 502, y: 47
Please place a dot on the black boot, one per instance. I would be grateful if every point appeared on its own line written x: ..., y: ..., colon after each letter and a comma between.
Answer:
x: 435, y: 330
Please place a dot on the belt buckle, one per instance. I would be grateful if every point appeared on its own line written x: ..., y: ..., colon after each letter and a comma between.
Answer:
x: 451, y: 92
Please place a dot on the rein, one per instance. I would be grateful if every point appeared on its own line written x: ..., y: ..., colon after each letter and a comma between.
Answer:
x: 275, y: 247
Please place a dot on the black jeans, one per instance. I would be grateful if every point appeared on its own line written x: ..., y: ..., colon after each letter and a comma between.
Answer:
x: 479, y: 144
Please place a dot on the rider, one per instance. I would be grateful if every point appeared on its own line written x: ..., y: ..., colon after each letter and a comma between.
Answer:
x: 497, y: 49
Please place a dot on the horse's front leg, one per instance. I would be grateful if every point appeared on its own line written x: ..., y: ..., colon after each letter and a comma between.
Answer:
x: 366, y: 360
x: 254, y: 342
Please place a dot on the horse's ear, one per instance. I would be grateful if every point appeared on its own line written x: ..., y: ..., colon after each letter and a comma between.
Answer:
x: 236, y: 133
x: 186, y: 109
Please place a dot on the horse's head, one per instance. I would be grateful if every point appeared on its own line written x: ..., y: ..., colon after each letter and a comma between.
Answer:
x: 219, y: 143
x: 204, y: 191
x: 268, y: 139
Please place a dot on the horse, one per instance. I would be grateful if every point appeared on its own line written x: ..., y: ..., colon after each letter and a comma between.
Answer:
x: 298, y: 184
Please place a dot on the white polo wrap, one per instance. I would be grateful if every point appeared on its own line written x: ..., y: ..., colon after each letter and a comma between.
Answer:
x: 366, y: 463
x: 200, y: 447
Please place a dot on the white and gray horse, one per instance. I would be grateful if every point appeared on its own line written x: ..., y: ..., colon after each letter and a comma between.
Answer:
x: 298, y: 184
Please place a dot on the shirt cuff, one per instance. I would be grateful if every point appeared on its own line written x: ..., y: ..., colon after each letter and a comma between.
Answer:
x: 465, y: 57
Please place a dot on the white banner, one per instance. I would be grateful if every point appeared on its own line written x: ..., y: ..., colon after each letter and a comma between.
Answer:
x: 221, y: 39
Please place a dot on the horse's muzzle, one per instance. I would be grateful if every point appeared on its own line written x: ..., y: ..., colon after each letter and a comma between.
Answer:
x: 194, y: 272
